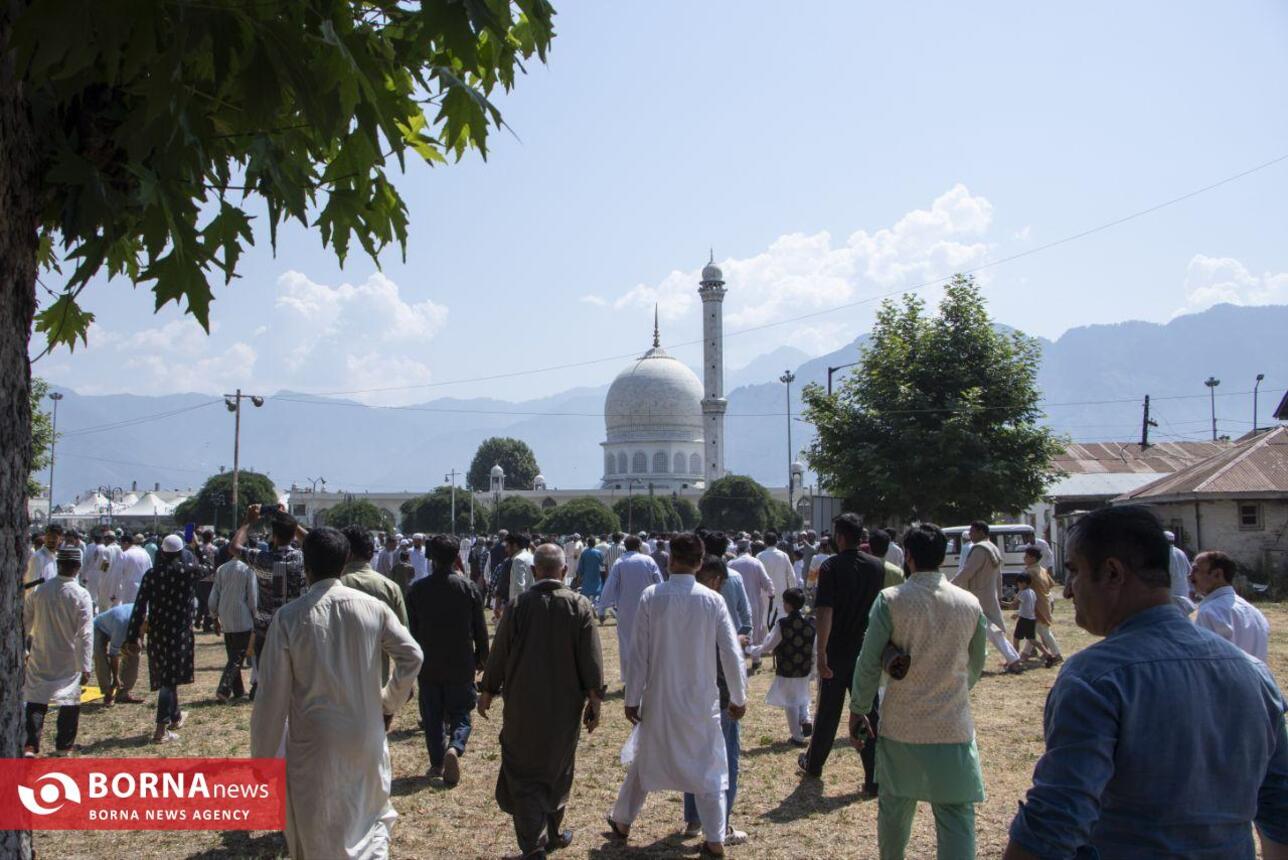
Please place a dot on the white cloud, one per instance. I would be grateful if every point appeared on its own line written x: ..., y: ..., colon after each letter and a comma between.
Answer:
x: 597, y: 301
x: 346, y: 337
x: 1215, y: 280
x: 800, y: 273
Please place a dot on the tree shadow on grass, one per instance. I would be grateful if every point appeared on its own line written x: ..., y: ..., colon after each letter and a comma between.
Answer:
x: 806, y: 799
x: 241, y: 843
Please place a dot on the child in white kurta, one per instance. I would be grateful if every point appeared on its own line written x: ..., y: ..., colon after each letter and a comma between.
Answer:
x: 792, y: 644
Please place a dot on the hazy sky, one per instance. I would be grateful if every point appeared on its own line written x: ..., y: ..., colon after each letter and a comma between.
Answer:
x: 829, y: 152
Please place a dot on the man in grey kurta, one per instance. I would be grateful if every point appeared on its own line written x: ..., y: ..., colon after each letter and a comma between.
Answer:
x: 546, y: 663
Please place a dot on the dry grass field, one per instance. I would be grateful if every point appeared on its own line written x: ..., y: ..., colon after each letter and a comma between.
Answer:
x: 785, y: 816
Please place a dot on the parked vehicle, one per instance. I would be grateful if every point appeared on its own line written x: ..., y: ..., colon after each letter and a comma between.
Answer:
x: 1011, y: 539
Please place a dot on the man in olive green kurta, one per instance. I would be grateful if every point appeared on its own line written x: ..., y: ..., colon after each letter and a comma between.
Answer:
x: 546, y: 663
x: 926, y: 746
x: 360, y: 575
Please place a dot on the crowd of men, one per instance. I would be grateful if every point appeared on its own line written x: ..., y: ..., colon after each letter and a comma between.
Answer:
x: 341, y: 627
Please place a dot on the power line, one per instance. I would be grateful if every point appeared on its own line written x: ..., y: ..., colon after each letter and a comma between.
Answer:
x: 1010, y: 258
x: 140, y: 419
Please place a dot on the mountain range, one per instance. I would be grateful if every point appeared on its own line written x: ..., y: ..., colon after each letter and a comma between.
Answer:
x: 1093, y: 381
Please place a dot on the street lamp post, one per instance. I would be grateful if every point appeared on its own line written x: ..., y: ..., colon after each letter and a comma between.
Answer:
x: 313, y: 482
x: 53, y: 442
x: 451, y: 476
x: 1260, y: 376
x: 787, y: 379
x: 1212, y: 382
x: 112, y: 494
x: 217, y: 500
x: 832, y: 370
x: 233, y: 402
x: 630, y: 504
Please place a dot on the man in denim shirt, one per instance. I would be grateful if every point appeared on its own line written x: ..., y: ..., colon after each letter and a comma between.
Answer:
x: 1162, y: 740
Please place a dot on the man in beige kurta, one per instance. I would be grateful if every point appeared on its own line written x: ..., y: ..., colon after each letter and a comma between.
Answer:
x: 982, y: 577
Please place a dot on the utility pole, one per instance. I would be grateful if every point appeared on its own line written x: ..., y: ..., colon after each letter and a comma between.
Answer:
x: 53, y: 442
x: 787, y: 379
x: 1145, y: 424
x: 1260, y: 376
x: 233, y: 403
x: 451, y: 476
x: 1212, y: 382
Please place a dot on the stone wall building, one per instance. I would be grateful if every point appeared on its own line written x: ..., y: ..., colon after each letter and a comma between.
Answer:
x: 1235, y: 501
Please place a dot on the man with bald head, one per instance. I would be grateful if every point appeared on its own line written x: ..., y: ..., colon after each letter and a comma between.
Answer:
x: 546, y: 663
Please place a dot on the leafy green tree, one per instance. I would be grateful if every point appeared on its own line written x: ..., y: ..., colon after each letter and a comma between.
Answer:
x: 432, y: 513
x: 940, y: 420
x: 518, y: 514
x: 737, y: 502
x: 213, y: 504
x: 359, y: 512
x: 686, y: 511
x: 42, y: 435
x: 640, y: 513
x: 139, y: 138
x: 512, y: 455
x: 585, y: 516
x: 782, y: 517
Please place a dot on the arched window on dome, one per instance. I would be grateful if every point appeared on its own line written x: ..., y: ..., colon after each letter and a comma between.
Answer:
x: 679, y: 464
x: 639, y: 463
x: 621, y: 462
x: 659, y: 462
x: 695, y: 464
x: 609, y: 463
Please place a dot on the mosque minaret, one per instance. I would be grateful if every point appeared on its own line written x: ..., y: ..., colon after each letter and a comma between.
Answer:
x: 664, y: 427
x: 714, y: 404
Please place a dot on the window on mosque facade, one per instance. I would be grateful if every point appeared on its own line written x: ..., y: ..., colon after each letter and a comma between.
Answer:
x: 659, y: 462
x: 639, y: 463
x: 621, y: 462
x: 695, y: 464
x: 679, y: 464
x: 608, y: 464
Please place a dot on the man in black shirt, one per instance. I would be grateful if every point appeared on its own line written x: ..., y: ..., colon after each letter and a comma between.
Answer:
x: 446, y: 619
x: 848, y: 583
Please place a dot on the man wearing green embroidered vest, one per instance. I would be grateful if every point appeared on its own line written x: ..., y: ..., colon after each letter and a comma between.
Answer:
x: 926, y: 749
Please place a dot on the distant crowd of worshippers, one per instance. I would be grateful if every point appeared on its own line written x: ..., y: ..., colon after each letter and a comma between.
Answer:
x: 353, y: 621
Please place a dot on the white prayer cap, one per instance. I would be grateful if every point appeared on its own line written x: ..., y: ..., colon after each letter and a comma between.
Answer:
x: 404, y: 543
x: 172, y: 543
x: 418, y: 536
x: 1171, y: 536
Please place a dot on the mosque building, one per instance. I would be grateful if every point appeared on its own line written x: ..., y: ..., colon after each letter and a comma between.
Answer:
x: 665, y: 427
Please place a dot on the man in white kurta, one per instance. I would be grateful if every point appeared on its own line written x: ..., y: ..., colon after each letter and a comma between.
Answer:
x: 760, y: 592
x: 681, y: 630
x: 627, y: 580
x: 121, y: 584
x: 778, y: 565
x: 1179, y: 569
x: 320, y: 668
x: 419, y: 560
x: 58, y: 615
x: 42, y: 564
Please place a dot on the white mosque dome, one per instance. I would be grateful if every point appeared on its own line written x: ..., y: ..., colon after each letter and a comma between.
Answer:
x: 711, y: 272
x: 656, y: 398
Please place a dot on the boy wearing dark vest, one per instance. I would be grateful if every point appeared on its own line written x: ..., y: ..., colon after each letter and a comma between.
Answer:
x: 792, y: 644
